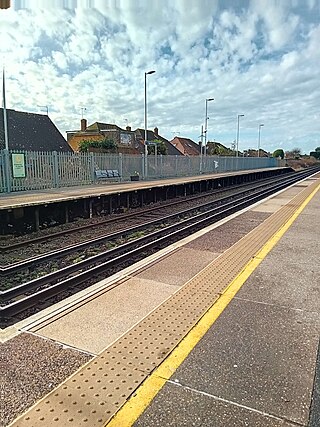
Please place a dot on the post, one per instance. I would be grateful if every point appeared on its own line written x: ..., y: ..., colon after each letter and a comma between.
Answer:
x: 238, y: 131
x: 146, y: 124
x: 206, y: 125
x: 7, y: 173
x: 259, y: 138
x: 201, y: 136
x: 120, y: 166
x: 5, y: 121
x: 55, y: 169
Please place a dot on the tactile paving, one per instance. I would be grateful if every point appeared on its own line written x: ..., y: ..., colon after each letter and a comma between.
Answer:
x: 95, y: 393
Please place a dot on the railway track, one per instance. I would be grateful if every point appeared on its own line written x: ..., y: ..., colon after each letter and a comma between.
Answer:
x: 152, y: 217
x: 124, y: 219
x: 20, y: 301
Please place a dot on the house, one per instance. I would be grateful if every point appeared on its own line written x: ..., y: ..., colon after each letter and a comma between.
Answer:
x: 186, y: 146
x: 31, y: 132
x: 125, y: 139
x: 154, y: 136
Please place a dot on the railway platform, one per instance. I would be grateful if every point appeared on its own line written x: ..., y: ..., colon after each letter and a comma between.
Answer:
x: 34, y: 210
x: 219, y: 329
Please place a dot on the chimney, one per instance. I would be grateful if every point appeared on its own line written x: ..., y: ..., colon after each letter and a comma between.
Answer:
x: 128, y: 128
x: 156, y: 131
x: 83, y: 125
x: 4, y: 4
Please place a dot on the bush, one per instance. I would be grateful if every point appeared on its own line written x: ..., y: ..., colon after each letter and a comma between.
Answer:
x: 105, y: 144
x: 278, y: 153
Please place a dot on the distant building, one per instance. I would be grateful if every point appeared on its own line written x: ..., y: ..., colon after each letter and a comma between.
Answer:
x: 125, y: 139
x: 154, y: 136
x: 186, y: 146
x: 31, y: 132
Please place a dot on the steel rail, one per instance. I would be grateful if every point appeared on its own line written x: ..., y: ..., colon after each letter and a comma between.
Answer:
x: 126, y: 216
x: 142, y: 245
x: 25, y: 264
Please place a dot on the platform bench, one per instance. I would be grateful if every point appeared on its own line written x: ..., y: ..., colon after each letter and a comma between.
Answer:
x: 107, y: 174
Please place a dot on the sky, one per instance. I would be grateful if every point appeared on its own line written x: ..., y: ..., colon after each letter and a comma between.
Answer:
x: 259, y: 58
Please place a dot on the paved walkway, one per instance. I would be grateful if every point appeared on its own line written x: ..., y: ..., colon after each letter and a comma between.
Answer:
x: 256, y: 365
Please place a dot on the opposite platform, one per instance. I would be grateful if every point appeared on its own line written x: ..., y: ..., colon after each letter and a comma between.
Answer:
x: 53, y: 195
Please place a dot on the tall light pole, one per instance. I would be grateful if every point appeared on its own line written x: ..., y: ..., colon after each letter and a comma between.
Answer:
x: 238, y: 131
x: 206, y: 124
x: 145, y: 121
x: 259, y: 138
x: 5, y: 120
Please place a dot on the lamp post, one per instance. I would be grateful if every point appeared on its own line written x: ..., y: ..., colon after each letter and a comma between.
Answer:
x: 238, y: 131
x: 145, y: 121
x: 259, y: 138
x: 206, y: 124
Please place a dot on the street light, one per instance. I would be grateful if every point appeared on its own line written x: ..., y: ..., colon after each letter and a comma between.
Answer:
x: 206, y: 124
x: 238, y: 130
x: 145, y: 121
x: 259, y: 138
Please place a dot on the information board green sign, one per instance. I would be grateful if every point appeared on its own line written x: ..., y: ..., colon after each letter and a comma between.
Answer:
x: 18, y: 166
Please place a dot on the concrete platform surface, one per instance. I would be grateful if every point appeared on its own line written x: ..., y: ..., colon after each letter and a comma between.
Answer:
x: 256, y: 365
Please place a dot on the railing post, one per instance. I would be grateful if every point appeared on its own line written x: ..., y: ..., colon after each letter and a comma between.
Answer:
x: 143, y: 167
x: 55, y: 169
x: 120, y: 165
x: 91, y: 166
x: 7, y: 174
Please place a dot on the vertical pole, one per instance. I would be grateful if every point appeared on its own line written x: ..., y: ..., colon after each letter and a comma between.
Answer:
x: 55, y: 169
x: 206, y: 128
x: 237, y: 142
x: 91, y: 166
x: 7, y: 173
x: 201, y: 150
x: 120, y: 165
x: 145, y: 126
x: 5, y: 122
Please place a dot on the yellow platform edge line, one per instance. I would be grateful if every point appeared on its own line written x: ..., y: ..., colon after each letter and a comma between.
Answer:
x: 146, y: 392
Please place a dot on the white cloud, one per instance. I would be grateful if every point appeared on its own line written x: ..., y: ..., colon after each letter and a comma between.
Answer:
x: 259, y: 60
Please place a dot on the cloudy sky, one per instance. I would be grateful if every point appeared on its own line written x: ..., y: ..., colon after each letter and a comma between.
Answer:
x: 260, y: 58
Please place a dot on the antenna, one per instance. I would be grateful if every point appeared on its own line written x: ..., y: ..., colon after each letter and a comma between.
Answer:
x: 46, y: 107
x: 83, y: 109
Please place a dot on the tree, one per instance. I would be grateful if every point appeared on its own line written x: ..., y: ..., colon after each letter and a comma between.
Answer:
x: 316, y: 153
x: 103, y: 144
x: 278, y: 153
x: 161, y: 147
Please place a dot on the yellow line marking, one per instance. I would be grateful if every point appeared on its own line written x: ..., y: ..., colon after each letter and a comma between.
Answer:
x: 143, y: 396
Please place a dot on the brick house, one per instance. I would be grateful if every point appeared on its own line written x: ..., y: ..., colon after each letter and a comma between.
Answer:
x: 124, y: 138
x: 186, y: 146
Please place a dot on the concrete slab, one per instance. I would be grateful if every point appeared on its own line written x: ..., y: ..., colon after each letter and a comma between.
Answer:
x: 258, y: 356
x: 289, y: 275
x: 220, y: 239
x: 179, y: 267
x: 272, y: 205
x: 98, y: 323
x: 179, y: 406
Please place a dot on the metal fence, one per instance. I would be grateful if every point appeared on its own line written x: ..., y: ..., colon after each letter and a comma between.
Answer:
x: 41, y: 170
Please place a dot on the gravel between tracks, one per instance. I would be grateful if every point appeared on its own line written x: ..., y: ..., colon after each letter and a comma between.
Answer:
x: 30, y: 368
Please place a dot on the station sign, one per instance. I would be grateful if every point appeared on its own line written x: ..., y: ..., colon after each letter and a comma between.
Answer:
x: 18, y: 165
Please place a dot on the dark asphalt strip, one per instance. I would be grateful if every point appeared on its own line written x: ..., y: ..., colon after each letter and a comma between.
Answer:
x: 314, y: 419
